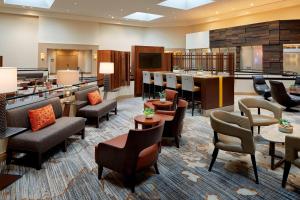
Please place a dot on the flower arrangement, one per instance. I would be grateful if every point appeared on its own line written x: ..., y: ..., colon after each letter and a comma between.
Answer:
x: 162, y: 96
x: 149, y: 112
x: 285, y: 126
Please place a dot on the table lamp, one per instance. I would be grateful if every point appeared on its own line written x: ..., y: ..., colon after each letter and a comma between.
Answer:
x: 67, y: 78
x: 8, y: 83
x: 106, y: 68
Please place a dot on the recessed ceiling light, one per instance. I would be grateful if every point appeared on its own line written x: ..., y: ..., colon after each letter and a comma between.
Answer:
x: 252, y: 4
x: 32, y: 3
x: 141, y: 16
x: 185, y: 4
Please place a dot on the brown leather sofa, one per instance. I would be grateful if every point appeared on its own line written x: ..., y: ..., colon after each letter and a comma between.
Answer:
x: 130, y: 153
x: 84, y: 109
x: 43, y: 140
x: 171, y: 95
x: 173, y: 128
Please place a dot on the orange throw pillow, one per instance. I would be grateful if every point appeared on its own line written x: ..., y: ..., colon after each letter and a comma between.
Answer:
x: 94, y: 97
x: 41, y: 117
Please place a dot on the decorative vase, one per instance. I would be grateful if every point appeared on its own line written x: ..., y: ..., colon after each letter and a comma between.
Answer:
x: 285, y: 129
x: 149, y: 116
x: 162, y: 100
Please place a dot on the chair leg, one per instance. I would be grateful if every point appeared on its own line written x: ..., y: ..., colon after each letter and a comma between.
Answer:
x: 132, y: 183
x: 214, y: 157
x: 64, y: 146
x: 156, y: 168
x: 83, y: 134
x: 100, y: 170
x: 177, y: 141
x: 107, y: 116
x: 258, y: 129
x: 149, y: 90
x: 143, y: 91
x: 287, y: 167
x: 154, y: 91
x: 116, y: 110
x: 98, y: 122
x: 254, y: 168
x: 193, y: 104
x: 252, y: 131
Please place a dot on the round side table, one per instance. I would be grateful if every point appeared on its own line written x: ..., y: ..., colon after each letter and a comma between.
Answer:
x: 273, y: 135
x: 163, y: 105
x: 146, y: 122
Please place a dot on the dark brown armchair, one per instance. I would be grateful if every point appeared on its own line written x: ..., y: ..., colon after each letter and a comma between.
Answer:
x: 130, y: 153
x: 174, y: 125
x: 171, y: 95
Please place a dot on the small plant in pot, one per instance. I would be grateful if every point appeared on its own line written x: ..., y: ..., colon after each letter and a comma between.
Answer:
x: 149, y: 113
x: 162, y: 96
x: 285, y: 126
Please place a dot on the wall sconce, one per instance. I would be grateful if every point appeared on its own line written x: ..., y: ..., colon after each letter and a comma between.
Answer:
x: 43, y: 56
x: 95, y: 56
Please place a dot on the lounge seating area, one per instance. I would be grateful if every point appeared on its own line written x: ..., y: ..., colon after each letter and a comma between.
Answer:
x: 180, y: 100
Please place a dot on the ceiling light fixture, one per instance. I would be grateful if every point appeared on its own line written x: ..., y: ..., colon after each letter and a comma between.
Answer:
x: 185, y: 4
x: 32, y: 3
x: 141, y: 16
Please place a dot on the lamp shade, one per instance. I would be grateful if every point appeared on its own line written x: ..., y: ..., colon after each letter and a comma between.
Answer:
x: 8, y: 79
x: 106, y: 68
x: 67, y: 77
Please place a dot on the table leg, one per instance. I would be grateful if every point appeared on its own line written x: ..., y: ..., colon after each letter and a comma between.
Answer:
x: 136, y: 125
x: 67, y: 109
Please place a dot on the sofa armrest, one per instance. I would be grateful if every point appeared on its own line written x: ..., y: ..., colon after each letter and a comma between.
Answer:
x: 80, y: 104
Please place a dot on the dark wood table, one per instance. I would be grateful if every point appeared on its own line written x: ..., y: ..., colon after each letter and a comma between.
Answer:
x: 162, y: 105
x: 146, y: 122
x: 7, y: 179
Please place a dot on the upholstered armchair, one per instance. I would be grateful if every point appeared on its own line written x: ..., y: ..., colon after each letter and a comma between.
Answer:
x: 260, y: 86
x: 174, y: 121
x: 280, y: 95
x: 232, y: 133
x: 258, y: 119
x: 130, y: 153
x: 171, y: 95
x: 292, y: 148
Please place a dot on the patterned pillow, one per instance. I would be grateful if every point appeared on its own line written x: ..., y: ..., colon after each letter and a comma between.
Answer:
x: 41, y: 117
x: 94, y: 97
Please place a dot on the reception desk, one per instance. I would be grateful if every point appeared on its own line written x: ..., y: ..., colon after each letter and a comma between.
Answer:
x: 217, y: 91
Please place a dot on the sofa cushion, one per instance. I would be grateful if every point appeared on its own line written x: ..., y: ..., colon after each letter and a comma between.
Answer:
x: 98, y: 110
x: 94, y: 97
x: 41, y: 117
x: 44, y: 139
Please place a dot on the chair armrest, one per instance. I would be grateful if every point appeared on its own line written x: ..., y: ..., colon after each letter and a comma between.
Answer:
x: 292, y: 148
x: 106, y: 155
x: 80, y: 104
x: 276, y: 109
x: 165, y: 112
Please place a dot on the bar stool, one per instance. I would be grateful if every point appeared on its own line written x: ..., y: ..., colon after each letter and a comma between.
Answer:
x: 147, y: 82
x: 158, y: 82
x: 189, y: 86
x: 172, y: 82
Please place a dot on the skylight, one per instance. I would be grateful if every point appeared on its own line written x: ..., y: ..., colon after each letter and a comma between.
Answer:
x: 185, y: 4
x: 141, y: 16
x: 32, y: 3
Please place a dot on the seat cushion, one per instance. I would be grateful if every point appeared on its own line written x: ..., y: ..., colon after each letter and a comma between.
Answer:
x: 41, y: 117
x: 44, y: 139
x: 98, y: 110
x: 264, y: 120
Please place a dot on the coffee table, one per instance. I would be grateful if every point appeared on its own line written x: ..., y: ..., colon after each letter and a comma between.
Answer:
x: 273, y: 135
x: 146, y: 122
x: 162, y: 105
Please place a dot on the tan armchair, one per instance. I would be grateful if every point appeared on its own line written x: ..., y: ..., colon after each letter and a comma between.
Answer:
x: 232, y: 133
x: 292, y: 148
x: 257, y: 119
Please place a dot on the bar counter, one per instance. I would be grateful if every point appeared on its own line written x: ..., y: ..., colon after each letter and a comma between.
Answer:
x: 217, y: 91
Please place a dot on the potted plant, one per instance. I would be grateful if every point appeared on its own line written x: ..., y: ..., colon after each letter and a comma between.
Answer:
x: 285, y: 126
x: 162, y: 96
x: 149, y: 113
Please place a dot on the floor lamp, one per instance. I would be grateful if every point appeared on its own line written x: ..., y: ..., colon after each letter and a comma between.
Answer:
x: 8, y: 83
x: 106, y: 68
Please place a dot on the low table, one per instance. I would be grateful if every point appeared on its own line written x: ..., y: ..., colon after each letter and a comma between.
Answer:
x: 163, y: 105
x: 146, y: 122
x: 273, y: 135
x: 7, y: 179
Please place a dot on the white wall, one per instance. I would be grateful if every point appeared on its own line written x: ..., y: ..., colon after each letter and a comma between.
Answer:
x: 197, y: 40
x: 19, y: 41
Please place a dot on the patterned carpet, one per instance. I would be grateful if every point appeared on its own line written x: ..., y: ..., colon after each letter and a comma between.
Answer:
x: 183, y: 172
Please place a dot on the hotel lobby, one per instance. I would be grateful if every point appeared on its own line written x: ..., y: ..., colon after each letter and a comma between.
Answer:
x: 153, y: 99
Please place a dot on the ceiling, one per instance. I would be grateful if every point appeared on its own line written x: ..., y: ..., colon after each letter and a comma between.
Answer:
x: 113, y: 11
